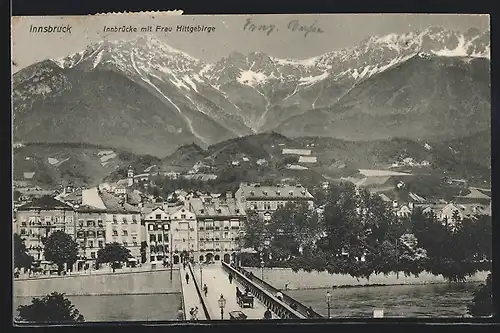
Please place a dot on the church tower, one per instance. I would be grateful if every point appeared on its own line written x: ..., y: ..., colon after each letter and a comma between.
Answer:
x: 130, y: 176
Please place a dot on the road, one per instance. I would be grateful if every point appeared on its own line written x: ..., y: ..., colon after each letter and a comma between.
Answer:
x: 217, y: 282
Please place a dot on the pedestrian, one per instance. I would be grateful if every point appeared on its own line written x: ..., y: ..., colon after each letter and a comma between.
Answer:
x: 286, y: 286
x: 184, y: 264
x: 310, y: 312
x: 293, y: 305
x: 195, y: 313
x: 279, y: 295
x: 230, y: 278
x: 187, y: 278
x: 180, y: 314
x: 205, y: 289
x: 268, y: 314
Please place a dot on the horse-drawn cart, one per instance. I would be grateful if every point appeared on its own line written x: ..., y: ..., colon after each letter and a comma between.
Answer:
x: 245, y: 300
x: 237, y: 315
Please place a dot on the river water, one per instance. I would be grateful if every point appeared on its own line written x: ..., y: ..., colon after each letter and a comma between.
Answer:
x: 410, y: 301
x: 122, y: 307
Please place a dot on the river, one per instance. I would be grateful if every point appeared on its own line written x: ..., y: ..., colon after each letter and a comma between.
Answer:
x: 122, y: 307
x: 410, y: 301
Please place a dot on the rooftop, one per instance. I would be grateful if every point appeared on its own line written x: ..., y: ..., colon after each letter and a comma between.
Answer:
x: 45, y: 202
x: 281, y: 191
x: 215, y: 207
x: 117, y: 205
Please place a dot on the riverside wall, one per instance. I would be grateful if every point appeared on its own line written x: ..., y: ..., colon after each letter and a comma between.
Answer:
x: 279, y: 277
x: 118, y: 283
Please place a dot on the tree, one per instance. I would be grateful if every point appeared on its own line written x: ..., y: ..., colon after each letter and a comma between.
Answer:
x: 113, y: 253
x: 144, y: 246
x: 52, y: 308
x: 21, y: 257
x: 482, y: 303
x: 61, y: 249
x: 254, y: 230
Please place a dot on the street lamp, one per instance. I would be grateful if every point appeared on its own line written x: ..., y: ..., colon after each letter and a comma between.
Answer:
x: 222, y: 304
x: 328, y: 302
x: 262, y: 270
x: 201, y: 274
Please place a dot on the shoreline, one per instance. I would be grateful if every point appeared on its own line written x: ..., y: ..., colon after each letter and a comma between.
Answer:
x: 285, y: 278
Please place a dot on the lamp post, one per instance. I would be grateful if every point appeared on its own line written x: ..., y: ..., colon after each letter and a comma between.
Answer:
x: 262, y: 270
x: 328, y: 302
x: 201, y: 274
x: 222, y: 304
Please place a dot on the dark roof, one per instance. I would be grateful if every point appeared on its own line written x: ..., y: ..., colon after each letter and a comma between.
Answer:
x: 89, y: 209
x: 45, y: 202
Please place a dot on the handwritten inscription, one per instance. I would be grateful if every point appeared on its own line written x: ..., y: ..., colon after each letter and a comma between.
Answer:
x: 294, y: 26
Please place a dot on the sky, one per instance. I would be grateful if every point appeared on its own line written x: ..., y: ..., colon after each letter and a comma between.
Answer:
x: 329, y: 32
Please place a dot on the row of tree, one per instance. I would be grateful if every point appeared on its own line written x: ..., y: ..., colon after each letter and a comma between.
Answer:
x: 61, y: 249
x: 357, y: 233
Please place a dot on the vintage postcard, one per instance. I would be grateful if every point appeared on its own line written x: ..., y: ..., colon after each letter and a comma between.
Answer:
x: 190, y: 168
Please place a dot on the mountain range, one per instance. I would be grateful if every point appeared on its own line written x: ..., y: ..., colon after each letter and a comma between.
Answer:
x: 146, y: 97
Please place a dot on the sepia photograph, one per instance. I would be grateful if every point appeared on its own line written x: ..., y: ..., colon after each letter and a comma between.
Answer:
x: 177, y: 168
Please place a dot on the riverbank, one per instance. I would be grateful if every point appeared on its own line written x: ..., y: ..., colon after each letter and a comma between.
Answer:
x: 119, y: 283
x: 301, y: 280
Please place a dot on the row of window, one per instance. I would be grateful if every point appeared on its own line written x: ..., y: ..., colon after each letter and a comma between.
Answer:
x: 39, y: 219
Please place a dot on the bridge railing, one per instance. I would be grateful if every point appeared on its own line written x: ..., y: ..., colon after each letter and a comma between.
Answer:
x: 287, y: 298
x: 198, y: 291
x: 281, y: 309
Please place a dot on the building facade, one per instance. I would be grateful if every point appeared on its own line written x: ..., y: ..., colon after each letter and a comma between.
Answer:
x: 124, y: 227
x: 184, y: 235
x: 265, y: 200
x: 38, y: 219
x: 90, y: 235
x: 157, y: 235
x: 220, y: 227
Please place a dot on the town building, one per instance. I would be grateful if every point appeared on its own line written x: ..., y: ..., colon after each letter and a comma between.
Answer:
x: 122, y: 221
x: 158, y: 233
x: 267, y: 199
x: 184, y: 235
x: 90, y: 234
x: 36, y: 220
x: 220, y: 227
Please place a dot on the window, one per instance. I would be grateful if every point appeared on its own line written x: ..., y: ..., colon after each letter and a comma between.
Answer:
x: 158, y: 216
x: 125, y: 244
x: 124, y: 220
x: 114, y: 218
x: 90, y: 223
x: 226, y: 234
x: 183, y: 216
x: 115, y: 232
x: 134, y: 243
x: 23, y: 231
x: 125, y: 232
x: 99, y: 223
x: 152, y: 238
x: 152, y: 258
x: 82, y: 244
x: 160, y: 238
x: 101, y: 244
x: 23, y: 223
x: 80, y: 223
x: 92, y: 255
x: 91, y: 244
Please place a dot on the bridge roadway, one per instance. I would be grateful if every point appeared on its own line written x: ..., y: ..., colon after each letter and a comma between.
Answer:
x: 217, y: 281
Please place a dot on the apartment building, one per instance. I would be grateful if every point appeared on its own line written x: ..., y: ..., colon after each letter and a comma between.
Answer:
x: 267, y: 199
x: 219, y: 223
x: 36, y: 220
x: 184, y: 235
x: 157, y: 235
x: 90, y: 234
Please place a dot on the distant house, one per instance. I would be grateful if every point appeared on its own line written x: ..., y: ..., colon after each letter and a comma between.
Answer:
x: 245, y: 159
x: 28, y: 175
x: 261, y: 161
x: 308, y: 159
x: 303, y: 152
x: 235, y: 163
x: 475, y: 196
x: 119, y: 190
